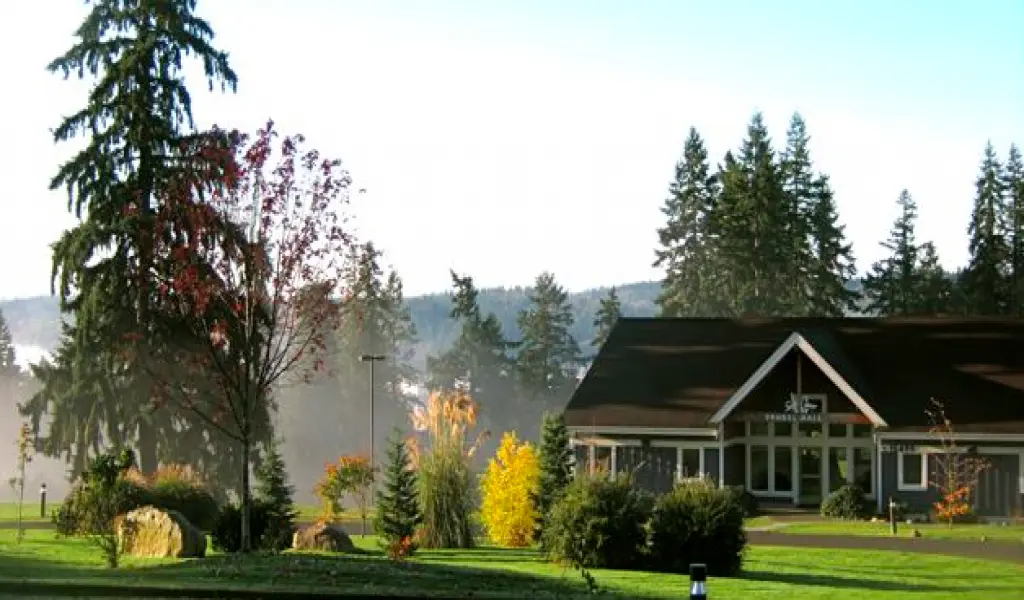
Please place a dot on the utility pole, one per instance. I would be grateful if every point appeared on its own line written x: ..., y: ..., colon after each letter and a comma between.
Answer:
x: 372, y: 358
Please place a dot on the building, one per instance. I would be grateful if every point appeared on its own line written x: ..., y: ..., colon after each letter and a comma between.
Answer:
x: 792, y: 409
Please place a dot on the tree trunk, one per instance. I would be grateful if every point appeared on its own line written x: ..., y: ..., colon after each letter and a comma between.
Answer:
x: 246, y: 545
x: 147, y: 449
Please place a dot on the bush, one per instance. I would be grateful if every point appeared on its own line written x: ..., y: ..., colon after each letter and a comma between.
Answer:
x: 848, y: 502
x: 84, y: 506
x: 598, y: 522
x: 698, y: 522
x: 398, y: 511
x: 747, y: 500
x: 274, y: 492
x: 508, y: 488
x: 194, y: 503
x: 227, y: 532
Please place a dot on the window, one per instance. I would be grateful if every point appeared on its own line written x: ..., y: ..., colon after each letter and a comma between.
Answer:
x: 603, y: 459
x: 691, y: 462
x: 783, y: 469
x: 810, y: 430
x: 582, y: 456
x: 861, y: 431
x: 862, y: 470
x: 759, y: 468
x: 758, y: 428
x: 783, y: 429
x: 838, y: 468
x: 837, y: 430
x: 913, y: 471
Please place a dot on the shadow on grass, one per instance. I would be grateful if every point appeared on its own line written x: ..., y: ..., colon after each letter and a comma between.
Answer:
x: 286, y: 575
x: 832, y: 582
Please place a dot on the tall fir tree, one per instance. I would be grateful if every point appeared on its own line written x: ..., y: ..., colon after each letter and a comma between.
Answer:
x: 690, y: 286
x: 140, y: 136
x: 397, y: 510
x: 275, y: 494
x: 1013, y: 184
x: 8, y: 363
x: 608, y: 314
x: 986, y: 281
x: 910, y: 280
x: 549, y: 356
x: 822, y: 256
x: 556, y: 461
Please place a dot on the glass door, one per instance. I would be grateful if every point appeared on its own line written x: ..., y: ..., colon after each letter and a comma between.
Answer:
x: 810, y: 476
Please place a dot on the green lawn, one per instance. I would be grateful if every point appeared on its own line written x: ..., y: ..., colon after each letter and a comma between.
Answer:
x: 770, y: 572
x: 972, y: 532
x: 30, y: 511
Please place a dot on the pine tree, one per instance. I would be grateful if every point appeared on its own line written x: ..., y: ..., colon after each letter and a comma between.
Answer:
x: 690, y: 286
x: 822, y: 256
x: 910, y: 281
x: 397, y: 506
x: 556, y: 459
x: 8, y: 364
x: 986, y: 286
x: 1013, y: 184
x: 608, y: 313
x: 275, y: 495
x: 548, y: 354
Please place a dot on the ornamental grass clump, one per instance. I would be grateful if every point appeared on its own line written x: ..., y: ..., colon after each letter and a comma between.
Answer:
x: 442, y: 462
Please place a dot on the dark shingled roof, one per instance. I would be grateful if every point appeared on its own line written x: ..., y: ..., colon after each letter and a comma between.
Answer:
x: 673, y: 373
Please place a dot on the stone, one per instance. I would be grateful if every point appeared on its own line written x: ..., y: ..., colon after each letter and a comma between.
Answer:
x: 322, y: 537
x: 151, y: 532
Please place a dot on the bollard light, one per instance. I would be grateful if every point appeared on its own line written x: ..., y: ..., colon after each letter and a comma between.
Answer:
x: 892, y: 516
x: 698, y: 581
x: 42, y: 501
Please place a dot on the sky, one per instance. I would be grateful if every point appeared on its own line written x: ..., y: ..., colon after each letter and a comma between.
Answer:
x: 502, y: 139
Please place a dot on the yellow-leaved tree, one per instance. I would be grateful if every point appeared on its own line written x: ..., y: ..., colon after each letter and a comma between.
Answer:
x: 508, y: 487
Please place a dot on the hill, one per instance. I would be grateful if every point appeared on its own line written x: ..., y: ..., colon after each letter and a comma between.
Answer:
x: 36, y: 321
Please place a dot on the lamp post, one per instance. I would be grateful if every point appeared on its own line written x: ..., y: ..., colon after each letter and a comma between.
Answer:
x: 371, y: 358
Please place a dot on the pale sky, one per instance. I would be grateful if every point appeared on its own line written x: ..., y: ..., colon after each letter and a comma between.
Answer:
x: 502, y: 139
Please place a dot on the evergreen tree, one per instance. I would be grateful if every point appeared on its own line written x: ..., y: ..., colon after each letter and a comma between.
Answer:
x: 556, y: 459
x: 608, y: 313
x: 754, y: 226
x: 548, y: 355
x: 986, y: 286
x: 822, y: 256
x: 397, y: 504
x: 275, y: 495
x: 1013, y: 184
x: 910, y: 280
x: 140, y: 137
x: 8, y: 365
x: 690, y: 286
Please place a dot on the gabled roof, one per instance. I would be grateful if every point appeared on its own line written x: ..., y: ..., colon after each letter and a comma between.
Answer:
x: 678, y: 373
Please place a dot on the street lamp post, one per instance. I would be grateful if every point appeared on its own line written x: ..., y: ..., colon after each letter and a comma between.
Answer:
x: 371, y: 358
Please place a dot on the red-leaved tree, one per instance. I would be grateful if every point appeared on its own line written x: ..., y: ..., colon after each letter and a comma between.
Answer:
x: 251, y: 255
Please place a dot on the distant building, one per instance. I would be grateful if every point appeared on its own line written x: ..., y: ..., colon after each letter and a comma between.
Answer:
x: 792, y: 409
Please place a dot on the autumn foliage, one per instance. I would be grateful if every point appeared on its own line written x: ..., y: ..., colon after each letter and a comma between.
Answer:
x: 957, y: 472
x: 350, y: 476
x: 507, y: 489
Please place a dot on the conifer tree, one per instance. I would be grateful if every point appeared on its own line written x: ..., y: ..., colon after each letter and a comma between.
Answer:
x: 608, y: 313
x: 275, y: 495
x: 690, y: 284
x: 1013, y: 184
x: 548, y: 353
x: 8, y: 365
x: 986, y: 286
x: 802, y: 190
x: 556, y: 461
x: 397, y: 506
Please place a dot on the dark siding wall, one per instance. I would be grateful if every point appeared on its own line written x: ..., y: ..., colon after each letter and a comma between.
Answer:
x: 998, y: 493
x: 711, y: 463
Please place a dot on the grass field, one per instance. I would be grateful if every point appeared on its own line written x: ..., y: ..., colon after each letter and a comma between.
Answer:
x: 937, y: 531
x: 770, y: 572
x: 9, y: 511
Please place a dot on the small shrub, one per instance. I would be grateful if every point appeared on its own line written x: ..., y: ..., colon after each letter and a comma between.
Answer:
x: 398, y: 512
x: 555, y: 457
x: 747, y: 500
x: 85, y: 507
x: 598, y: 522
x: 227, y: 532
x: 698, y: 523
x: 508, y: 488
x: 275, y: 493
x: 848, y: 502
x: 194, y: 503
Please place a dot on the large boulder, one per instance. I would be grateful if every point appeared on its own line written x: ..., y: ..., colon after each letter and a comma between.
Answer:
x: 154, y: 533
x: 322, y: 537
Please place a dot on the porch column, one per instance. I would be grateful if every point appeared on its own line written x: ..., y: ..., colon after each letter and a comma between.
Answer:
x: 721, y: 455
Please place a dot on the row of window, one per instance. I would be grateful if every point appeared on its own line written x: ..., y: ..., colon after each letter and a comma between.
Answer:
x: 684, y: 462
x: 773, y: 468
x: 808, y: 429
